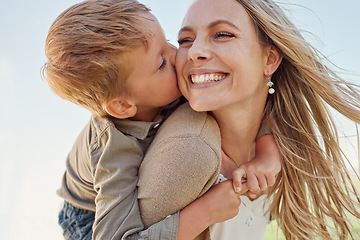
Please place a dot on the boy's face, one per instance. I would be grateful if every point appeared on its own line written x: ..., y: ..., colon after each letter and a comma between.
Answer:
x: 153, y: 82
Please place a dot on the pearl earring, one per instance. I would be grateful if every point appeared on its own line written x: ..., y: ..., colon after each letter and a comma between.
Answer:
x: 270, y: 84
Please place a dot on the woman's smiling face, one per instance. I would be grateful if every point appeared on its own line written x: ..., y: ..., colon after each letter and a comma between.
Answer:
x: 220, y: 61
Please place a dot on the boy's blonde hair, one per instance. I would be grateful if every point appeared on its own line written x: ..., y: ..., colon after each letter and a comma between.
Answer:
x: 315, y: 191
x: 86, y: 50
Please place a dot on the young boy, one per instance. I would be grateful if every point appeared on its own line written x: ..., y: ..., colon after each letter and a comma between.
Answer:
x: 110, y: 57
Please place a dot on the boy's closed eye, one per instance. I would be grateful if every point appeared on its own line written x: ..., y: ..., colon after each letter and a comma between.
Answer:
x: 163, y: 64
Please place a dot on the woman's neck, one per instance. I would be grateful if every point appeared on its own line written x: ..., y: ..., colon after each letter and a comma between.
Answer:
x: 238, y: 130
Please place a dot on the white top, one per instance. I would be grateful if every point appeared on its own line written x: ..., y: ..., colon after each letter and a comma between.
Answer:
x: 249, y: 224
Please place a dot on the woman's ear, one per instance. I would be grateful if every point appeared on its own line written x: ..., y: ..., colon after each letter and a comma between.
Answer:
x: 274, y: 58
x: 120, y: 108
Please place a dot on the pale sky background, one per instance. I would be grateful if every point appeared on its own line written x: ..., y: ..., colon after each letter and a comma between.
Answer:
x: 37, y: 128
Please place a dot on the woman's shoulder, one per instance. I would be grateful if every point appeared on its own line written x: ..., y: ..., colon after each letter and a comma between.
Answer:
x: 185, y: 122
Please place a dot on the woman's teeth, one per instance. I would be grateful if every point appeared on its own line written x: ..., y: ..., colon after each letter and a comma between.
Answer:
x: 204, y: 78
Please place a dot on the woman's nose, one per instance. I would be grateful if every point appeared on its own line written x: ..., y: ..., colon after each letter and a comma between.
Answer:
x: 199, y: 51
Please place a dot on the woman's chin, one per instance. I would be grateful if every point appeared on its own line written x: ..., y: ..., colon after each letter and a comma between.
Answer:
x: 201, y: 106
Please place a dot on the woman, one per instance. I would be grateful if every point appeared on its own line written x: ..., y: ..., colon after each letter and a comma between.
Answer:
x: 244, y: 61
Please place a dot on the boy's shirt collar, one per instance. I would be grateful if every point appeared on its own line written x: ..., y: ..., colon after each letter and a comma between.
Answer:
x: 141, y: 129
x: 138, y: 129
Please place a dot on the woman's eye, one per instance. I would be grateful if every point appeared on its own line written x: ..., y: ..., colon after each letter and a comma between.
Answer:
x: 184, y: 40
x: 163, y: 64
x: 224, y: 34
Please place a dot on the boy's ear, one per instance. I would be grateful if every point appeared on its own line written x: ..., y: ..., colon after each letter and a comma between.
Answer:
x: 274, y: 58
x: 120, y: 108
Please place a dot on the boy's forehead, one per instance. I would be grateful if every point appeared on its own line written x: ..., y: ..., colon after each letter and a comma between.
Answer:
x: 153, y: 24
x: 151, y: 29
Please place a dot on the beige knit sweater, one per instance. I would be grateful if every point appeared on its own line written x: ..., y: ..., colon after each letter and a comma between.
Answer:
x: 182, y: 163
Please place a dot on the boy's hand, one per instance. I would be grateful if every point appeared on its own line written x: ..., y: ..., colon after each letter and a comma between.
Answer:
x: 218, y: 204
x: 260, y: 172
x: 241, y: 178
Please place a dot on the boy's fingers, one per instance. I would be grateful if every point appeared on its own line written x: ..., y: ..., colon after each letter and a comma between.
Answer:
x: 238, y: 175
x: 253, y: 184
x: 271, y: 180
x: 251, y: 195
x: 262, y: 183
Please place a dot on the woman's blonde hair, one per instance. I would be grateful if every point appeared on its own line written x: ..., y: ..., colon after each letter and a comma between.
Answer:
x: 86, y: 50
x: 315, y: 191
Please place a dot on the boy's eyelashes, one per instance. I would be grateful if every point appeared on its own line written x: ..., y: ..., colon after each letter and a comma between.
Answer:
x: 163, y: 64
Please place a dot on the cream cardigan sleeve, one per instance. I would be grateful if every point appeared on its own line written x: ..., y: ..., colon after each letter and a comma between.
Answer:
x: 182, y: 163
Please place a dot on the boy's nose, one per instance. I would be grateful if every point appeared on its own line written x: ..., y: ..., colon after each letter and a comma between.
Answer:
x: 173, y: 52
x: 172, y: 46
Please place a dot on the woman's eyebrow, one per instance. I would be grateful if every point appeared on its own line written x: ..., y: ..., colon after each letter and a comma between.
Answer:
x: 184, y: 29
x: 221, y: 21
x: 211, y: 25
